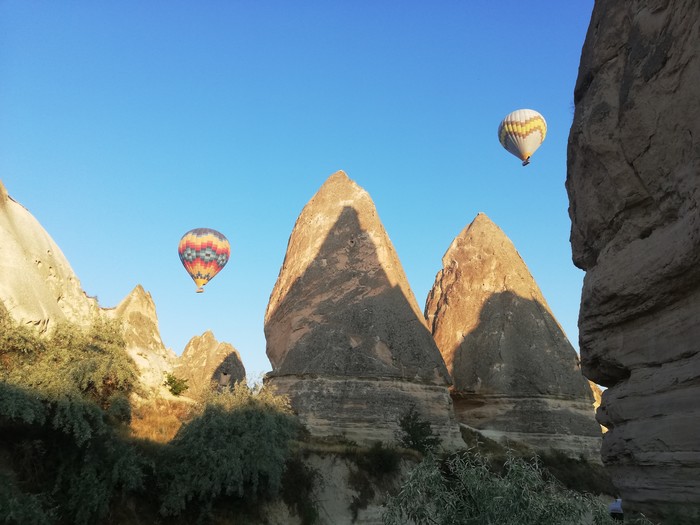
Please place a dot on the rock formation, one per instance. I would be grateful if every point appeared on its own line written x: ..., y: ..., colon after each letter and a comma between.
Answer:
x: 515, y: 374
x: 38, y: 288
x: 205, y: 360
x: 345, y: 336
x: 137, y: 313
x: 634, y: 188
x: 37, y: 285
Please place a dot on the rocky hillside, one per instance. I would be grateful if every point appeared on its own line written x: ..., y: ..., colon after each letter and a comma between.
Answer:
x: 39, y: 288
x: 634, y: 188
x: 515, y: 374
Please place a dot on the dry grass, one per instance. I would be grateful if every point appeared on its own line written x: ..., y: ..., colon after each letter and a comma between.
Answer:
x: 160, y: 419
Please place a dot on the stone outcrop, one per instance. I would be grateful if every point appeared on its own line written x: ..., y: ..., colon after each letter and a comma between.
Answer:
x: 137, y: 313
x: 515, y: 374
x: 634, y: 187
x: 345, y: 335
x: 205, y: 360
x: 37, y: 284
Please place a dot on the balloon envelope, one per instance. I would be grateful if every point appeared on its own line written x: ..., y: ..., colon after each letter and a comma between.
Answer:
x: 522, y: 132
x: 203, y: 252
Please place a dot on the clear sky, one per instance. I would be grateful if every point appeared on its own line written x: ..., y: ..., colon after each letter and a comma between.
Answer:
x: 125, y: 124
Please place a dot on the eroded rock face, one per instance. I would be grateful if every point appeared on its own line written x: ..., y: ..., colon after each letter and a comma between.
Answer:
x: 137, y: 313
x: 515, y: 374
x: 37, y: 284
x: 205, y: 360
x: 344, y: 330
x: 634, y: 188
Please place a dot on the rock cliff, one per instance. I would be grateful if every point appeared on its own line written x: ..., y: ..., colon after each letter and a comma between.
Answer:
x: 345, y: 335
x: 205, y: 360
x: 515, y: 374
x: 37, y: 284
x: 634, y: 188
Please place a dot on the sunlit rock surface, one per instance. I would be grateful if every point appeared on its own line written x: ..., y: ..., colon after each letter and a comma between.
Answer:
x: 205, y: 360
x: 37, y: 284
x: 137, y: 313
x: 634, y: 188
x: 345, y: 335
x: 515, y: 374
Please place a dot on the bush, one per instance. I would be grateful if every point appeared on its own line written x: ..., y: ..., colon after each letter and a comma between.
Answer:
x: 236, y: 448
x: 463, y: 490
x: 175, y: 384
x: 416, y: 433
x: 67, y: 460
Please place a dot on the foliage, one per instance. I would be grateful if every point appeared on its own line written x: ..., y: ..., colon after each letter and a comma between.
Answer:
x: 17, y: 508
x: 176, y: 385
x: 298, y: 483
x: 378, y: 461
x: 463, y: 490
x: 60, y: 399
x: 237, y: 447
x: 416, y: 433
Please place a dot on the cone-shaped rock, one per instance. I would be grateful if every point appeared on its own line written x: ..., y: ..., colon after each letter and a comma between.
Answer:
x: 137, y: 313
x: 345, y: 335
x: 205, y: 360
x: 37, y: 284
x: 515, y: 373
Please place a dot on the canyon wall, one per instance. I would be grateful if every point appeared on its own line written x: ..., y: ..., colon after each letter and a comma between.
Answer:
x: 634, y: 187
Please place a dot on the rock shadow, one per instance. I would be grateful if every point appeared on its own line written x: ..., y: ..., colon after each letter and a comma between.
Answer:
x: 518, y: 349
x: 344, y: 317
x: 229, y: 372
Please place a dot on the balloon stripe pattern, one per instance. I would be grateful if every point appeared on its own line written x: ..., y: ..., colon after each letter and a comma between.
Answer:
x: 203, y: 252
x: 522, y: 132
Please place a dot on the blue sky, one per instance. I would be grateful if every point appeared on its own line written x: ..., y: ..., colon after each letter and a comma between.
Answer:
x: 125, y: 124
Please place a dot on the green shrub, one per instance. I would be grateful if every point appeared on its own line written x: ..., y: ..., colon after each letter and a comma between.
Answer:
x: 236, y: 448
x: 60, y: 399
x: 416, y: 433
x: 175, y: 384
x: 463, y: 490
x: 17, y: 508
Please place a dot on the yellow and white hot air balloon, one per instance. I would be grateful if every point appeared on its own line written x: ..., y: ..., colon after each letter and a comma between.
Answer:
x: 522, y: 132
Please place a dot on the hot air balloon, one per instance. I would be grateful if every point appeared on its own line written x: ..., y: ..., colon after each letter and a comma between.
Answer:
x: 522, y: 132
x: 203, y: 252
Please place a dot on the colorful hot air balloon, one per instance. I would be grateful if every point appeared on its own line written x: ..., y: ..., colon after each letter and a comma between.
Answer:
x: 203, y: 252
x: 522, y: 132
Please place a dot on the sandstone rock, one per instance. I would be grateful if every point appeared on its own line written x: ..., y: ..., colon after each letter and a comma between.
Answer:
x: 37, y: 284
x: 515, y: 374
x: 344, y: 333
x: 205, y: 360
x: 634, y: 188
x: 137, y: 313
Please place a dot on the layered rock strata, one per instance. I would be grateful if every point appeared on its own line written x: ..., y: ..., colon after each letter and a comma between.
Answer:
x: 345, y: 336
x: 516, y: 376
x: 205, y: 361
x: 634, y: 188
x: 37, y: 284
x: 636, y: 232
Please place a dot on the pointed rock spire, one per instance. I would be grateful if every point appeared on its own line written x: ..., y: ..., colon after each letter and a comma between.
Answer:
x: 344, y: 329
x: 342, y: 304
x: 503, y: 347
x: 137, y: 313
x: 205, y: 360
